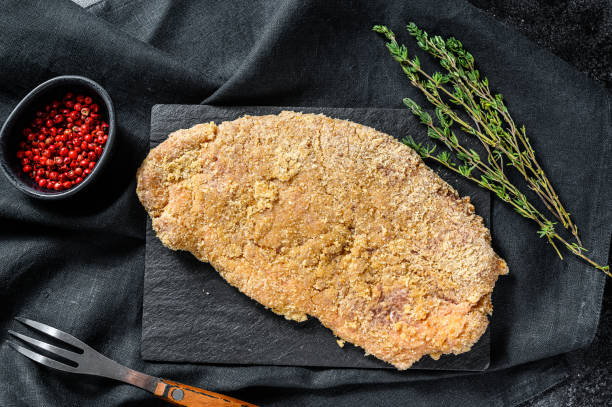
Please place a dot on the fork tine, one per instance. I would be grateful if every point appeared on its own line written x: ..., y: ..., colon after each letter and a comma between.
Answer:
x: 43, y: 360
x: 71, y: 356
x: 55, y: 333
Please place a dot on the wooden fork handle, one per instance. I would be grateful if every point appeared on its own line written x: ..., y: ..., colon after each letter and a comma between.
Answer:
x: 182, y: 395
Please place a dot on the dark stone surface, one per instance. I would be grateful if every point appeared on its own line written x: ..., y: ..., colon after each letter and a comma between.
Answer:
x: 580, y: 32
x: 221, y: 325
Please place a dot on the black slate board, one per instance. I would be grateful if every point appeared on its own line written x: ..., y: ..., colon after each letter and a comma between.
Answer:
x: 190, y: 314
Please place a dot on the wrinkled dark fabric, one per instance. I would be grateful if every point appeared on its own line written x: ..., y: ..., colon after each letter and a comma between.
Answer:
x: 78, y: 265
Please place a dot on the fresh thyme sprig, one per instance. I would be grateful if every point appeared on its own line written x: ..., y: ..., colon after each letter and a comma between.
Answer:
x: 505, y: 143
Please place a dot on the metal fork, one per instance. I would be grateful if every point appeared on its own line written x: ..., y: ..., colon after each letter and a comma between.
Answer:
x: 90, y: 362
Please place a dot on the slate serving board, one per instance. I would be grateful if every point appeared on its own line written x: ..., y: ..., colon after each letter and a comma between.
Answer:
x: 190, y: 314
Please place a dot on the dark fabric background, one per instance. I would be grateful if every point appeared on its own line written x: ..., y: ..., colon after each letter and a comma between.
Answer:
x: 78, y: 265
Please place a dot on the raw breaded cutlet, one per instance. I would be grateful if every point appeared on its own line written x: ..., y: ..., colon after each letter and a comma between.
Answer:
x: 310, y: 215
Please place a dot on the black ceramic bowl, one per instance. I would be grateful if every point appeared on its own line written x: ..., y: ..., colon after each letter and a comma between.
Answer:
x: 22, y: 115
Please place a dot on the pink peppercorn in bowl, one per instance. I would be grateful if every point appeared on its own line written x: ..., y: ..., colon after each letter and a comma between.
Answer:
x: 58, y: 138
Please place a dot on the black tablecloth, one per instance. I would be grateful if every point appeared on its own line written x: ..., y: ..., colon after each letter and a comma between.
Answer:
x: 78, y: 265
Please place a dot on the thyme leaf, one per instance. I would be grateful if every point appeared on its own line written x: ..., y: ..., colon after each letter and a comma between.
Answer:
x: 462, y: 92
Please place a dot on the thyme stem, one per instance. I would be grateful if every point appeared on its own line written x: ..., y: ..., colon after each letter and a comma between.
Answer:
x: 491, y: 124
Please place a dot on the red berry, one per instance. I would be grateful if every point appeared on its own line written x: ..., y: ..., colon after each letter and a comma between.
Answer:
x: 62, y: 143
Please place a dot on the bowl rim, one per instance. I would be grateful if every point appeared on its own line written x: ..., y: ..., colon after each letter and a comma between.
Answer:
x: 26, y: 102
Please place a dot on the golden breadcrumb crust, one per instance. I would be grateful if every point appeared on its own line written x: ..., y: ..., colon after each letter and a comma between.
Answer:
x: 310, y: 215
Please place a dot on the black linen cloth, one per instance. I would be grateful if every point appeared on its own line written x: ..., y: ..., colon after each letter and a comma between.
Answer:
x: 78, y: 265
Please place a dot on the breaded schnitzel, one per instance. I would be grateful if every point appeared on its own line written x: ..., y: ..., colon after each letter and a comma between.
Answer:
x: 310, y: 215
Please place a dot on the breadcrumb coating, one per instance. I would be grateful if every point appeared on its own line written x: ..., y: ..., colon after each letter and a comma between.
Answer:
x: 310, y: 215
